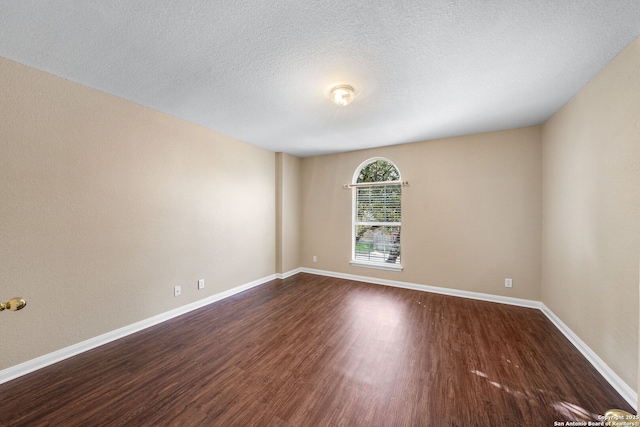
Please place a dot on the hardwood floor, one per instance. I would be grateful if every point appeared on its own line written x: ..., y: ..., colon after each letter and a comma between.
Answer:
x: 318, y: 351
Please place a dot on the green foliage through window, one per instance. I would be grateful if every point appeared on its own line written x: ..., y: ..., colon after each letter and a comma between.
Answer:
x: 378, y: 171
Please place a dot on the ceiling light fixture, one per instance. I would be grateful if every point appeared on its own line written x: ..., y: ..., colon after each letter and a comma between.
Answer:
x: 342, y: 94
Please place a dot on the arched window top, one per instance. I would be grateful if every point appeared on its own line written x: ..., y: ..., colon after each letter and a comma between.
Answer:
x: 377, y: 169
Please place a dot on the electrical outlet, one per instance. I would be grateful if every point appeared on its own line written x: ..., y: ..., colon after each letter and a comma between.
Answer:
x: 508, y: 283
x: 201, y: 284
x: 177, y: 291
x: 315, y: 258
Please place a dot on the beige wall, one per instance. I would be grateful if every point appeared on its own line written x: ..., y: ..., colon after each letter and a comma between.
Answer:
x: 591, y: 231
x: 288, y: 213
x: 471, y: 212
x: 106, y: 205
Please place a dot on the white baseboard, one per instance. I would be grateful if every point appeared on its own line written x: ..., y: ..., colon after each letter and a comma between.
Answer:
x: 612, y: 378
x: 616, y: 382
x: 288, y: 273
x: 433, y: 289
x: 67, y: 352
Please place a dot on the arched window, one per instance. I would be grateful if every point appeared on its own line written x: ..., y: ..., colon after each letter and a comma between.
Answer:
x: 377, y: 214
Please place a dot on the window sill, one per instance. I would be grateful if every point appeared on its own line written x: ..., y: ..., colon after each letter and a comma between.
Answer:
x: 377, y: 265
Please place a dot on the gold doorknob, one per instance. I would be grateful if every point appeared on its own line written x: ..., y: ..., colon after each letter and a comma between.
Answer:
x: 14, y: 304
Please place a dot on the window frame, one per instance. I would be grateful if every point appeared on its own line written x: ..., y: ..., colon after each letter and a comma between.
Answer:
x: 354, y: 216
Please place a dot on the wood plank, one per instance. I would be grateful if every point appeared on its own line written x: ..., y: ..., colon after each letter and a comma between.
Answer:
x: 318, y: 351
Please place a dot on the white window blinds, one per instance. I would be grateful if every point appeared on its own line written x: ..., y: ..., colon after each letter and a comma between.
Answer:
x: 377, y: 225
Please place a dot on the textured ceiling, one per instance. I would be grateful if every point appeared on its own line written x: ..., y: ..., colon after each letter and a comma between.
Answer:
x: 258, y: 70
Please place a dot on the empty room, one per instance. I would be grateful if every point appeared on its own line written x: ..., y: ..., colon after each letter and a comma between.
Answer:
x: 348, y: 213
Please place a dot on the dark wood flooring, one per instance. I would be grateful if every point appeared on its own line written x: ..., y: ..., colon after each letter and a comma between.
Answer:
x: 318, y: 351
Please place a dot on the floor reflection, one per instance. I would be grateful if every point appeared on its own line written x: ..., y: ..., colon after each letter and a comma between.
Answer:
x: 379, y: 327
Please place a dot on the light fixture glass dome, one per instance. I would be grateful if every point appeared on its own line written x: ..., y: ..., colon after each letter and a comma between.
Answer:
x: 342, y: 94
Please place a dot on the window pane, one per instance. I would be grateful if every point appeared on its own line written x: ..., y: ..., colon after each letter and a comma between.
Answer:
x: 377, y: 213
x: 378, y: 171
x: 378, y: 244
x: 379, y: 204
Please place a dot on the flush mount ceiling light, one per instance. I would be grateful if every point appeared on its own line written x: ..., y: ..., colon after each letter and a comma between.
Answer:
x: 342, y: 94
